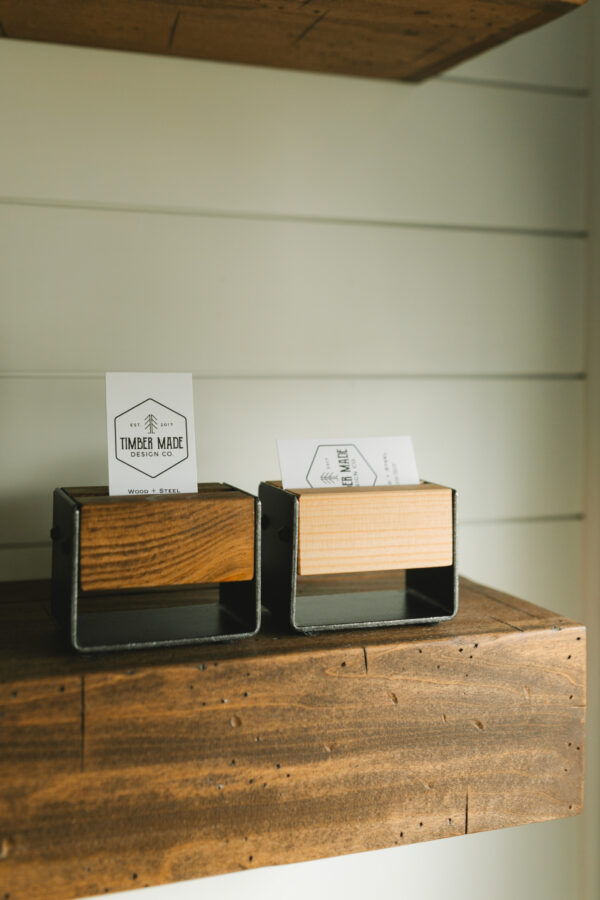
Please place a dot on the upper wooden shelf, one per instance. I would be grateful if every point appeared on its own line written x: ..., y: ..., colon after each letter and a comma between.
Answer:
x: 131, y: 769
x: 399, y: 39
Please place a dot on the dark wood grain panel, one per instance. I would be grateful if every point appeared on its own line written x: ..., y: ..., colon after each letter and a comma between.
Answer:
x: 410, y: 40
x: 191, y: 539
x: 40, y: 728
x: 282, y: 748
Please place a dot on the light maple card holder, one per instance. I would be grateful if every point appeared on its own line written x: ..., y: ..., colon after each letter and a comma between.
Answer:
x: 359, y: 557
x: 149, y: 570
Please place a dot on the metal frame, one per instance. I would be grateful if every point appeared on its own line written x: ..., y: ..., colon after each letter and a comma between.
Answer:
x: 236, y: 614
x: 429, y: 595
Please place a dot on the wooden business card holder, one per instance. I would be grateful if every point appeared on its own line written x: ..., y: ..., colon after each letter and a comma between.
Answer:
x: 356, y: 557
x: 147, y: 570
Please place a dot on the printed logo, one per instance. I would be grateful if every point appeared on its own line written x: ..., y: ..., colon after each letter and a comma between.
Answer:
x: 339, y: 465
x: 151, y: 438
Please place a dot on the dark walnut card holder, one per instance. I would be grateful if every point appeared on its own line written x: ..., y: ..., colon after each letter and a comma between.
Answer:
x: 150, y: 570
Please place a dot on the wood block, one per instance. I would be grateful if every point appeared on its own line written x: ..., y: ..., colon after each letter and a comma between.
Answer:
x: 409, y: 40
x: 374, y: 529
x: 159, y: 766
x: 149, y: 541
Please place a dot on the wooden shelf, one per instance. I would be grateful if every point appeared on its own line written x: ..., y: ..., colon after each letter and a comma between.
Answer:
x: 404, y: 39
x: 132, y: 769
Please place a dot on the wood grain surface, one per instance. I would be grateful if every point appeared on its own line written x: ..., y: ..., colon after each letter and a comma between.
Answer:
x: 155, y: 541
x: 374, y: 529
x: 411, y: 40
x: 131, y: 769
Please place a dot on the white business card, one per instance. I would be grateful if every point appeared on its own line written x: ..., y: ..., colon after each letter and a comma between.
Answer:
x: 347, y: 462
x: 151, y: 436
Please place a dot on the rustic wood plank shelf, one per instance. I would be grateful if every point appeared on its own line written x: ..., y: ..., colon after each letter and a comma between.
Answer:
x: 408, y: 39
x: 124, y: 770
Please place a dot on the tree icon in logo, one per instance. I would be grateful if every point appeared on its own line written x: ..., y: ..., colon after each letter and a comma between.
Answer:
x: 150, y: 423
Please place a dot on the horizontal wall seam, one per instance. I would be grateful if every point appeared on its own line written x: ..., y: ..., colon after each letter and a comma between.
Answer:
x: 580, y: 93
x: 93, y: 206
x: 27, y: 545
x: 524, y: 520
x: 469, y: 523
x: 320, y: 376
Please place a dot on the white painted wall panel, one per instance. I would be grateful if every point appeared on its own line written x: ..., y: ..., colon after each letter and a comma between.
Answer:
x: 236, y: 296
x: 555, y: 56
x: 511, y: 448
x: 110, y: 128
x: 24, y: 563
x: 540, y: 561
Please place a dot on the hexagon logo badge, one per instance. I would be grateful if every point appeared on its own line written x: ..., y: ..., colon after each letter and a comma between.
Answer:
x: 151, y: 438
x: 339, y: 465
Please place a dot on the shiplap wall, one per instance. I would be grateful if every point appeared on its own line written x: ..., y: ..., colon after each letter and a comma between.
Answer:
x: 326, y: 255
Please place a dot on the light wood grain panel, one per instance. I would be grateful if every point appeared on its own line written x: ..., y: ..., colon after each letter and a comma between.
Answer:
x: 128, y: 129
x: 541, y: 561
x: 195, y: 288
x: 555, y: 56
x: 374, y: 530
x: 511, y: 448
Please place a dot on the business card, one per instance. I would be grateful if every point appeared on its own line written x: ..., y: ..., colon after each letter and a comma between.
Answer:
x: 347, y: 462
x: 151, y: 435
